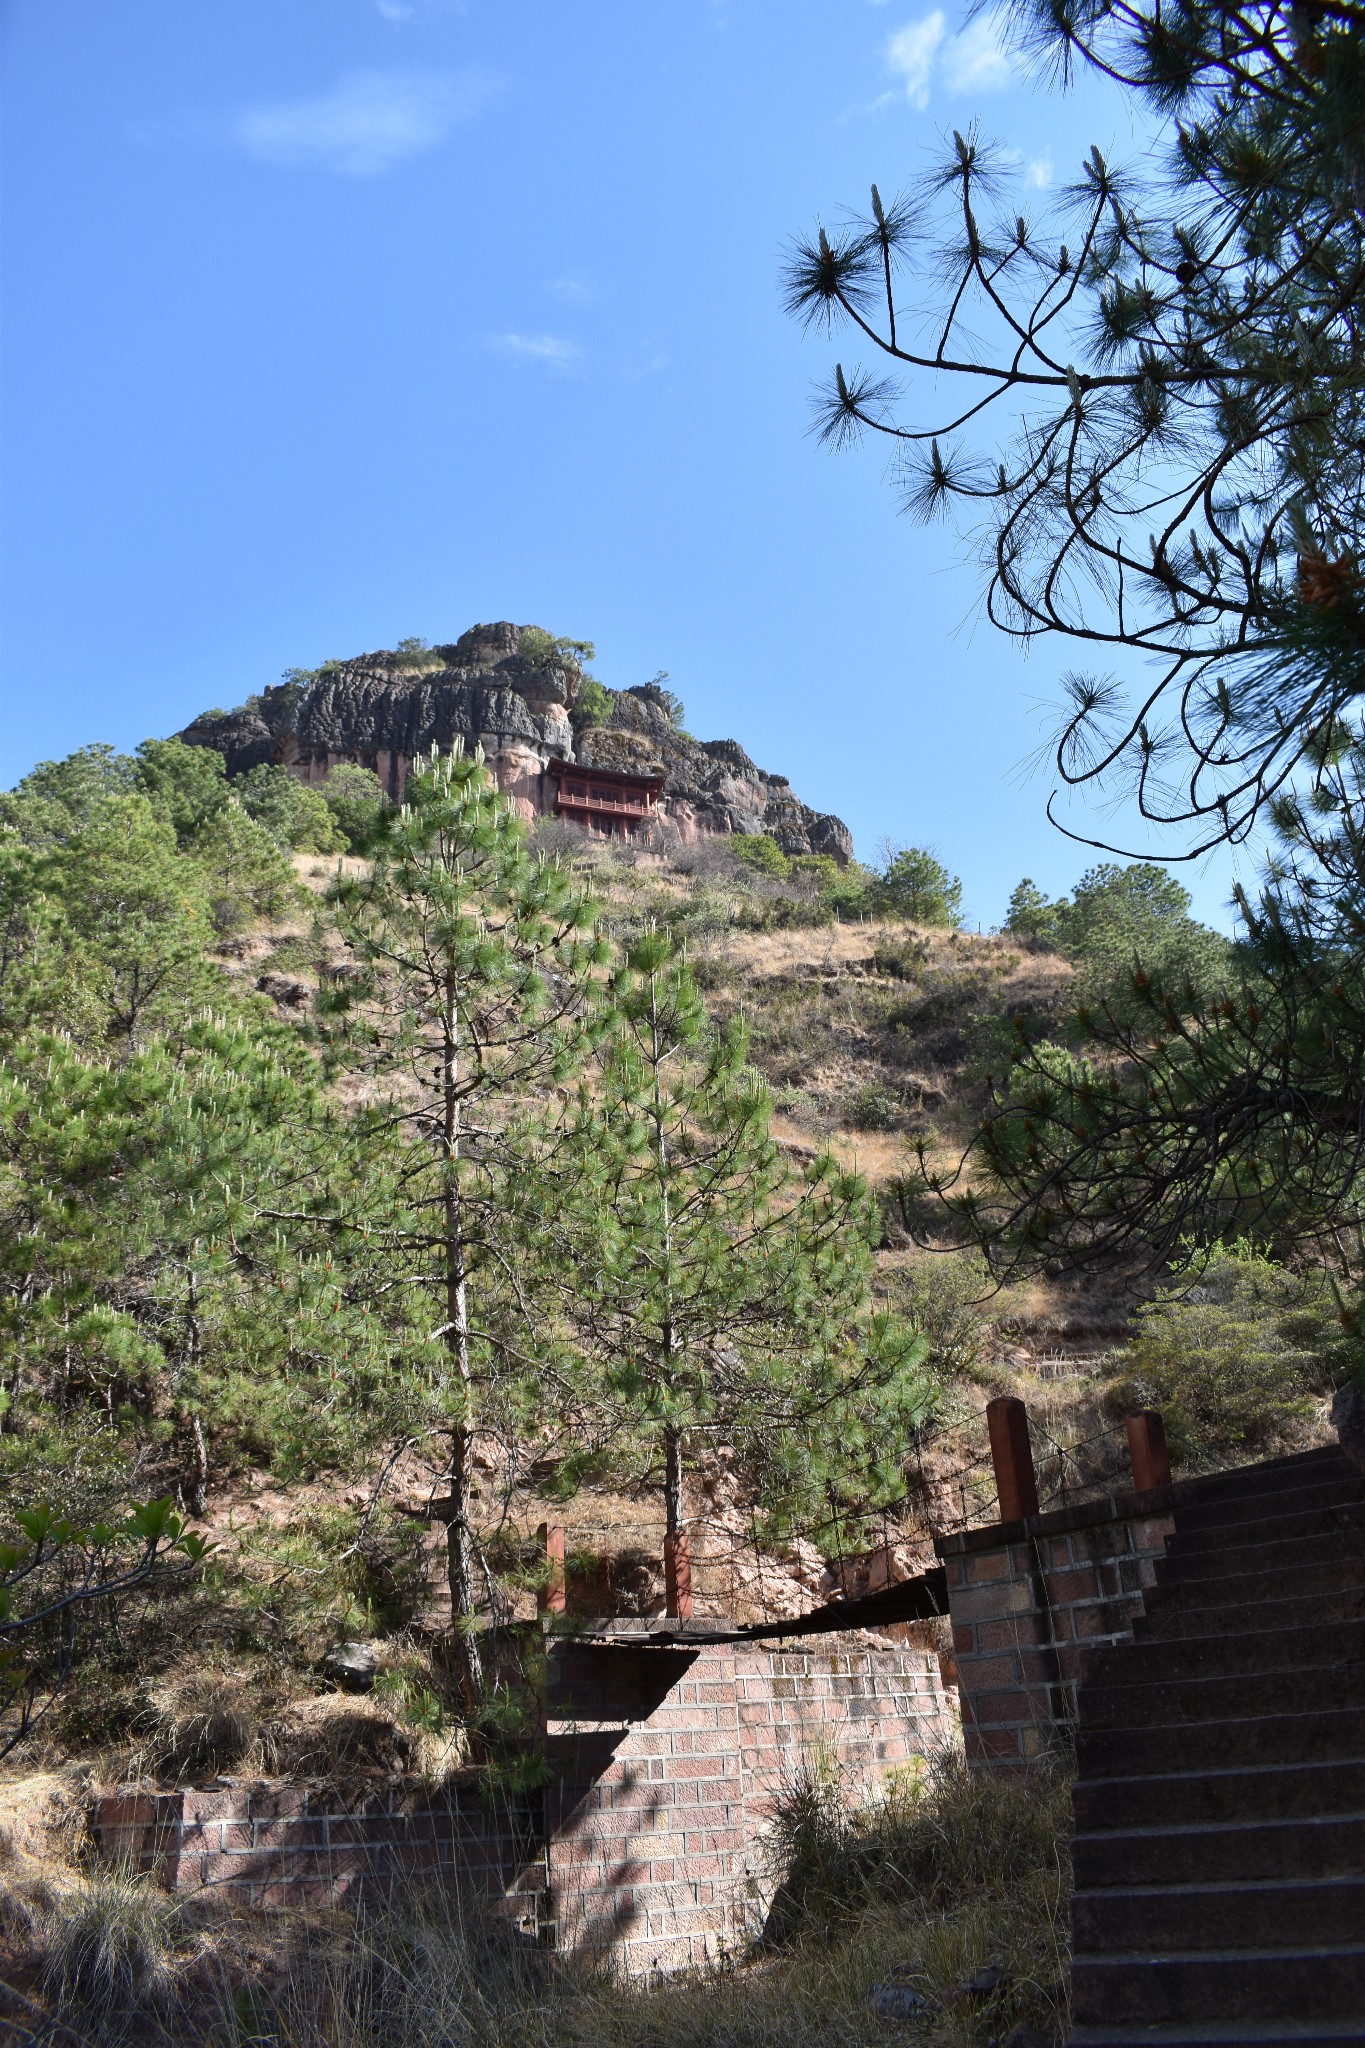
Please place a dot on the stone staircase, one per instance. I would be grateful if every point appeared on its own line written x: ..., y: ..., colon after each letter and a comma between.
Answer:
x: 1219, y: 1854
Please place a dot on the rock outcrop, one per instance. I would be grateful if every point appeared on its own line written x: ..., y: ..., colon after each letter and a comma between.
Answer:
x: 383, y: 710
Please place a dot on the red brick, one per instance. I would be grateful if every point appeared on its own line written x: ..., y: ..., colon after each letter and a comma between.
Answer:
x: 1010, y: 1634
x: 1019, y: 1705
x: 977, y: 1673
x: 125, y: 1810
x: 1064, y: 1588
x: 277, y: 1805
x: 1114, y: 1616
x: 988, y: 1744
x: 990, y: 1603
x: 987, y: 1567
x: 227, y: 1805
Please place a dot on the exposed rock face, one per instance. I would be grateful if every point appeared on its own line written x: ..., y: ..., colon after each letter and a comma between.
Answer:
x: 484, y: 691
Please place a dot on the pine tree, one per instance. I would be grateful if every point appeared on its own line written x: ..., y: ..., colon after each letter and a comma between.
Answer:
x: 1147, y: 400
x: 729, y: 1299
x: 145, y: 1287
x: 470, y: 1009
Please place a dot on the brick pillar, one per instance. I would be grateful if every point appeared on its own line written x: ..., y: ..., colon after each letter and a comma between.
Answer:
x: 678, y: 1577
x: 1147, y: 1449
x: 550, y: 1598
x: 1012, y: 1457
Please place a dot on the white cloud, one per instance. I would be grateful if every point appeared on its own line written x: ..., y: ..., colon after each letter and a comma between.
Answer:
x: 395, y: 10
x: 974, y: 60
x: 367, y: 122
x: 571, y: 290
x: 911, y: 53
x: 548, y: 349
x: 977, y: 59
x: 1040, y: 172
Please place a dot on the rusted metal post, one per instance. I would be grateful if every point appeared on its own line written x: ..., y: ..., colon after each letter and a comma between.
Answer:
x: 678, y: 1578
x: 1012, y: 1457
x: 1151, y: 1460
x: 550, y: 1599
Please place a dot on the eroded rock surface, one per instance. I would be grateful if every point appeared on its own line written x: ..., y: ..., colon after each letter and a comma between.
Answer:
x: 483, y: 691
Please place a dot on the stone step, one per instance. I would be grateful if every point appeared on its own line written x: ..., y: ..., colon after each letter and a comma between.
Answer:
x: 1234, y: 1696
x: 1167, y: 1619
x: 1275, y: 1475
x: 1219, y: 1656
x: 1323, y: 1983
x: 1269, y: 1792
x: 1234, y: 1509
x: 1318, y: 1737
x: 1278, y: 1524
x: 1248, y: 2033
x: 1343, y: 1539
x: 1316, y: 1571
x: 1323, y: 1845
x: 1262, y: 1913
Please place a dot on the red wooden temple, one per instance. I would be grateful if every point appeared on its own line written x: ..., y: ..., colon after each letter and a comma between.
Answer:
x: 606, y: 800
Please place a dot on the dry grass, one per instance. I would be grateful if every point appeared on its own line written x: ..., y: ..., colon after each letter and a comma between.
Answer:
x: 958, y: 1872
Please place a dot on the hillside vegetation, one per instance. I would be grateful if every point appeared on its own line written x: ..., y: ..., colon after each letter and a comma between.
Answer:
x: 181, y: 1318
x: 222, y: 1156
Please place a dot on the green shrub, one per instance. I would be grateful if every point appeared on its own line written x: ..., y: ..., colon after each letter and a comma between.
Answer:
x: 1115, y: 915
x: 1032, y: 916
x: 185, y: 785
x: 943, y: 1296
x: 355, y: 797
x: 593, y: 703
x: 874, y: 1108
x: 900, y: 961
x: 914, y: 884
x: 545, y: 650
x: 246, y: 874
x: 415, y: 653
x: 294, y: 814
x: 1234, y: 1356
x: 761, y: 852
x: 818, y: 870
x: 1118, y: 914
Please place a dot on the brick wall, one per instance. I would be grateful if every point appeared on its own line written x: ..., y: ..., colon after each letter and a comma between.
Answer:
x: 649, y: 1842
x: 272, y: 1845
x: 1028, y: 1598
x: 668, y: 1765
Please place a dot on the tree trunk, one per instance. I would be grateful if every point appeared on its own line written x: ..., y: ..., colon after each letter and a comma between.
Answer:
x: 194, y: 1487
x: 460, y: 1562
x: 673, y: 1478
x: 673, y: 1495
x: 460, y: 1538
x: 196, y: 1491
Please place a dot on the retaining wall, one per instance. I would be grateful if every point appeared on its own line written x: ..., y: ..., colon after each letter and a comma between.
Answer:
x: 1027, y: 1598
x: 273, y: 1845
x: 649, y: 1839
x: 669, y: 1765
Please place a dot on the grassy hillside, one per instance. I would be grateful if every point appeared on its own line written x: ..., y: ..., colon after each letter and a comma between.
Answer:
x: 165, y: 955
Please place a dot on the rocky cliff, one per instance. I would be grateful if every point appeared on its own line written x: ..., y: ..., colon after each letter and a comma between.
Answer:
x: 524, y: 710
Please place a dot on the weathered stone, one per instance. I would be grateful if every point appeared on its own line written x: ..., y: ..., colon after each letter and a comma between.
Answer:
x: 483, y: 692
x: 353, y: 1665
x: 898, y: 2002
x: 981, y: 1984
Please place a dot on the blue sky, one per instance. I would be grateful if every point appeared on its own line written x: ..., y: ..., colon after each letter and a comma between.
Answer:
x: 331, y: 321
